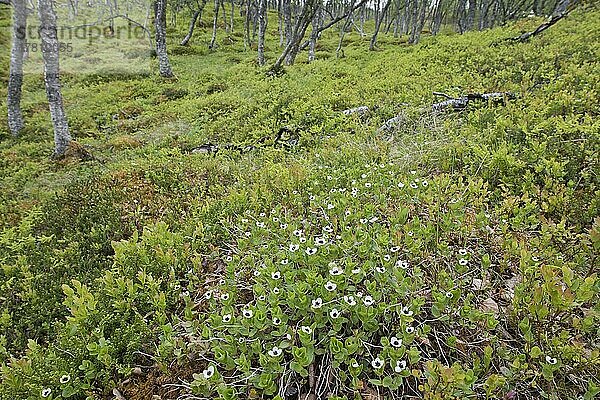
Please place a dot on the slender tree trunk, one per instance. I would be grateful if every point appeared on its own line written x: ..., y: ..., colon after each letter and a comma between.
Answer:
x: 215, y: 23
x: 339, y: 52
x: 397, y: 21
x: 418, y: 20
x: 262, y: 27
x: 225, y: 22
x: 187, y: 37
x: 287, y: 20
x: 280, y: 22
x: 437, y: 18
x: 471, y: 14
x: 314, y: 35
x: 248, y: 39
x: 231, y: 15
x: 15, y: 77
x: 50, y: 53
x: 291, y: 50
x: 160, y: 23
x: 378, y: 24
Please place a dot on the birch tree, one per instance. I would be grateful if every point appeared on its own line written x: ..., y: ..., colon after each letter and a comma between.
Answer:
x: 160, y: 24
x: 15, y: 78
x: 50, y: 53
x: 262, y: 28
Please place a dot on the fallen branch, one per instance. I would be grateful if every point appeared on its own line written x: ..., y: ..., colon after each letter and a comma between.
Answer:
x: 563, y: 8
x: 279, y: 141
x: 527, y: 35
x: 460, y: 103
x: 361, y: 111
x: 451, y: 104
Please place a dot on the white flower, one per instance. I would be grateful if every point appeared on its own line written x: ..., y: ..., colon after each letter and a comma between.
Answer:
x: 297, y: 232
x: 294, y: 247
x: 368, y: 185
x: 335, y: 270
x: 347, y: 213
x: 46, y: 392
x: 311, y: 251
x: 64, y: 379
x: 402, y: 264
x: 356, y: 271
x: 462, y: 252
x: 463, y: 262
x: 413, y: 185
x: 260, y: 224
x: 410, y: 233
x: 359, y: 294
x: 395, y: 249
x: 377, y: 363
x: 317, y: 303
x: 209, y: 372
x: 208, y: 295
x: 363, y: 175
x: 288, y: 336
x: 334, y: 313
x: 312, y: 197
x: 449, y: 295
x: 320, y: 241
x: 368, y: 300
x: 551, y: 360
x: 262, y: 215
x: 341, y: 190
x: 248, y: 234
x: 275, y: 219
x: 225, y: 296
x: 424, y: 183
x: 328, y: 228
x: 330, y: 206
x: 276, y: 321
x: 373, y: 219
x: 330, y: 286
x: 276, y: 275
x: 413, y: 172
x: 283, y: 226
x: 226, y: 318
x: 302, y: 240
x: 247, y: 313
x: 276, y: 290
x: 406, y: 311
x: 400, y: 185
x: 394, y: 341
x: 244, y: 220
x: 275, y: 351
x: 400, y: 366
x: 410, y: 330
x: 228, y: 258
x: 256, y: 273
x: 262, y: 297
x: 355, y: 364
x: 329, y: 177
x: 306, y: 329
x: 350, y: 300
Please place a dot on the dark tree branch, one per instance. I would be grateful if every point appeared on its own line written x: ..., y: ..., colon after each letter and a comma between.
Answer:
x: 335, y: 21
x: 528, y: 35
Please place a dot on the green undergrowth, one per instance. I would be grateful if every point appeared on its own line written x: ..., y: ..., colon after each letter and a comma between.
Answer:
x: 454, y: 258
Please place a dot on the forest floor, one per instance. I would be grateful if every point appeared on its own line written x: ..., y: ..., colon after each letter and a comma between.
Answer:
x: 455, y: 257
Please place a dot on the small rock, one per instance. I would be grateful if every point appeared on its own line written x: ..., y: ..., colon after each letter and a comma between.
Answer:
x: 489, y: 305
